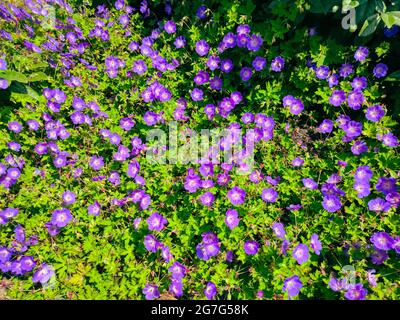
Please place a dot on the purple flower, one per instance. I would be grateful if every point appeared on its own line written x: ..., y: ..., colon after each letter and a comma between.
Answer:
x: 170, y: 27
x: 363, y: 188
x: 213, y: 62
x: 292, y: 286
x: 151, y: 243
x: 322, y: 72
x: 165, y: 252
x: 14, y: 146
x: 269, y: 195
x: 226, y: 65
x: 372, y: 278
x: 256, y: 176
x: 27, y: 263
x: 33, y: 124
x: 43, y: 273
x: 251, y: 247
x: 229, y: 256
x: 96, y: 162
x: 391, y: 32
x: 379, y: 257
x: 337, y: 98
x: 201, y: 77
x: 61, y: 217
x: 337, y: 285
x: 192, y: 183
x: 202, y: 47
x: 13, y: 173
x: 216, y: 83
x: 363, y: 173
x: 232, y: 218
x: 361, y: 54
x: 207, y: 199
x: 378, y: 205
x: 382, y: 241
x: 14, y: 126
x: 3, y: 64
x: 277, y: 64
x: 196, y: 94
x: 94, y: 209
x: 309, y: 183
x: 248, y: 117
x: 151, y: 292
x: 176, y: 288
x: 297, y: 162
x: 210, y: 291
x: 355, y: 99
x: 145, y: 201
x: 139, y: 67
x: 68, y: 197
x: 178, y: 270
x: 245, y: 74
x: 236, y: 97
x: 356, y: 292
x: 326, y: 126
x: 133, y: 46
x: 133, y: 168
x: 380, y: 70
x: 333, y: 80
x: 359, y: 83
x: 315, y: 244
x: 300, y: 253
x: 4, y: 84
x: 259, y: 63
x: 5, y: 254
x: 393, y: 198
x: 346, y: 70
x: 150, y: 118
x: 352, y: 129
x: 279, y: 230
x: 201, y: 12
x: 375, y: 113
x: 359, y: 147
x: 207, y: 250
x: 156, y: 222
x: 209, y: 246
x: 180, y: 42
x: 331, y: 203
x: 396, y: 244
x: 295, y: 104
x: 52, y: 229
x: 243, y: 29
x: 229, y: 40
x: 254, y: 43
x: 386, y: 185
x: 236, y: 196
x: 390, y: 140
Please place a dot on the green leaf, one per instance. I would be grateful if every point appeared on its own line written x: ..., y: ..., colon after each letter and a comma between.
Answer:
x: 395, y: 76
x: 370, y: 25
x: 12, y: 75
x: 391, y: 18
x: 363, y: 11
x: 349, y: 4
x: 37, y: 76
x: 380, y: 6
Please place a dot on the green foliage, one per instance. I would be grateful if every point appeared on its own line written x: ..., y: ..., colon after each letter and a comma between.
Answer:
x: 104, y: 257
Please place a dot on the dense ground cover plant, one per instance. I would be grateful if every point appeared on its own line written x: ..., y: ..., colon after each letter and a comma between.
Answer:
x: 86, y: 215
